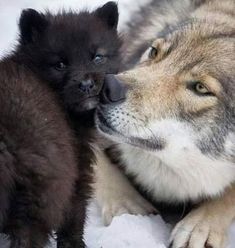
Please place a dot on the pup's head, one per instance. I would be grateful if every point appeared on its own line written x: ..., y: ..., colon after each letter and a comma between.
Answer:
x: 72, y: 51
x: 183, y: 91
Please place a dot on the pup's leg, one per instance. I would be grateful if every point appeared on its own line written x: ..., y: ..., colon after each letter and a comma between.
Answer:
x: 39, y: 197
x: 30, y: 223
x: 70, y: 234
x: 114, y: 193
x: 206, y: 226
x: 28, y: 238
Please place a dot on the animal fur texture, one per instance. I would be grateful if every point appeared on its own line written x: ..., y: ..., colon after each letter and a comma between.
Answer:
x: 68, y: 54
x: 72, y: 52
x: 175, y: 132
x: 38, y: 162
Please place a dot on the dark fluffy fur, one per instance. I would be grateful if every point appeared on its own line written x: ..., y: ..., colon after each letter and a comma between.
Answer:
x: 72, y: 53
x: 70, y: 50
x: 38, y: 162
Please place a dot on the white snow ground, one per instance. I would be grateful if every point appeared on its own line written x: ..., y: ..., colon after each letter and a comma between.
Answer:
x: 126, y: 231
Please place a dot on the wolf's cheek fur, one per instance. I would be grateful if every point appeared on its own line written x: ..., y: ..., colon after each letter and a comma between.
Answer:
x: 181, y: 164
x: 229, y: 146
x: 153, y: 96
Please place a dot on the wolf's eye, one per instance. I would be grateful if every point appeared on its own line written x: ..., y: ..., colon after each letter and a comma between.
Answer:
x: 199, y: 88
x: 60, y: 66
x: 153, y: 53
x: 99, y: 59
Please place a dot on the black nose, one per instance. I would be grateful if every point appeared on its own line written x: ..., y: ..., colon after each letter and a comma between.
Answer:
x: 113, y: 91
x: 86, y: 85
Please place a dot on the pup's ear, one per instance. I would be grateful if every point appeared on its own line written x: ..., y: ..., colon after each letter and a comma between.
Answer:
x: 109, y: 14
x: 31, y: 24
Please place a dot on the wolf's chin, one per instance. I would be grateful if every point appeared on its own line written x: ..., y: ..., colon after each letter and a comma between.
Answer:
x: 108, y: 130
x: 103, y: 126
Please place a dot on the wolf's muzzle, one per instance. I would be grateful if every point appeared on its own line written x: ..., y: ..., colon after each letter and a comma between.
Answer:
x: 113, y: 91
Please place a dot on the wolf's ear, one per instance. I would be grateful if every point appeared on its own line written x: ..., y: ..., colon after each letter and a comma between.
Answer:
x: 31, y: 25
x: 109, y: 14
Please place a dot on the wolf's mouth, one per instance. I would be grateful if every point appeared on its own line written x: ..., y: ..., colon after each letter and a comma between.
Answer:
x: 105, y: 127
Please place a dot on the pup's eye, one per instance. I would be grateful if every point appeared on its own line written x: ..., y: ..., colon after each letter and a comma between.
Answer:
x: 60, y: 66
x: 153, y: 53
x: 200, y: 88
x: 99, y: 59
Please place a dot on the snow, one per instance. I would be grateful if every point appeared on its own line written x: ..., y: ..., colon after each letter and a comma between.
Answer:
x: 126, y: 231
x: 131, y: 231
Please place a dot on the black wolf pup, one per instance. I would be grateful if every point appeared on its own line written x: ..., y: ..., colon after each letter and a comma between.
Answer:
x: 37, y: 158
x: 73, y: 52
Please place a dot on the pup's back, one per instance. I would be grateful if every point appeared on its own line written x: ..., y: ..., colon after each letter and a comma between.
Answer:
x: 36, y: 157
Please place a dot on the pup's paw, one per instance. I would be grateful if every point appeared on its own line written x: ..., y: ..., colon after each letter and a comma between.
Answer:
x: 202, y: 228
x: 125, y: 204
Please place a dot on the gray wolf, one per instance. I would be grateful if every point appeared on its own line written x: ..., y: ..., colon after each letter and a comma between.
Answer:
x: 174, y: 133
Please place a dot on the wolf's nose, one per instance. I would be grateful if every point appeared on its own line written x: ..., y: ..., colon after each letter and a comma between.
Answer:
x: 113, y: 91
x: 86, y: 85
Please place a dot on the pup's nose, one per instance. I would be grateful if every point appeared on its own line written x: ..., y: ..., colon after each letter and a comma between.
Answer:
x: 113, y: 90
x: 86, y: 85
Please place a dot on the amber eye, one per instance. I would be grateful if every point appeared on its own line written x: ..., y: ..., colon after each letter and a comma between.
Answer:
x: 199, y: 88
x: 153, y: 53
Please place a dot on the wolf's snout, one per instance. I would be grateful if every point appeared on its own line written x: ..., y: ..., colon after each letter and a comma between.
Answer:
x: 86, y: 85
x: 114, y: 91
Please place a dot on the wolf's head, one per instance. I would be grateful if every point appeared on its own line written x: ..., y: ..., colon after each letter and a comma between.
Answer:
x: 72, y: 51
x: 182, y: 95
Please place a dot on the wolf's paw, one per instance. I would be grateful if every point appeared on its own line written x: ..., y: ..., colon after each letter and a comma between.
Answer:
x: 125, y: 204
x: 202, y: 228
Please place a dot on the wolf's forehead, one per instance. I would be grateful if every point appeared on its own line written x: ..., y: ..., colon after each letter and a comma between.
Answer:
x: 197, y: 33
x: 169, y: 30
x: 190, y: 47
